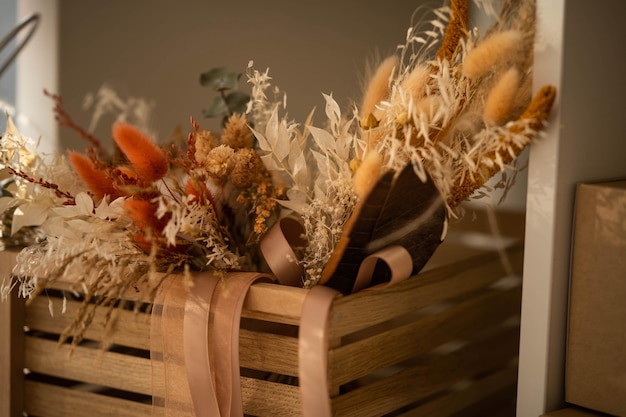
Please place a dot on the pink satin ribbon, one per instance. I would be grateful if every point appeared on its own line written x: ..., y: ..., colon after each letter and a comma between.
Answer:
x: 195, y: 332
x: 277, y: 248
x: 196, y: 346
x: 313, y: 352
x: 397, y: 258
x: 203, y: 381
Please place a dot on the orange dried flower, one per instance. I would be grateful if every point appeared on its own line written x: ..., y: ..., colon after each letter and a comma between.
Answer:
x: 96, y: 180
x: 199, y: 191
x: 148, y: 160
x: 143, y: 215
x: 128, y: 172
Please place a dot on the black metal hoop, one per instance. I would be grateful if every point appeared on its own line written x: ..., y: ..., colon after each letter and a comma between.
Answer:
x: 32, y: 21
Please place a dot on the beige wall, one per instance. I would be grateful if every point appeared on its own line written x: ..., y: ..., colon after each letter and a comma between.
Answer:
x: 157, y: 49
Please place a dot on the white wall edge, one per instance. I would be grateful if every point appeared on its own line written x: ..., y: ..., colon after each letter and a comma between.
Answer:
x: 38, y: 69
x: 539, y: 361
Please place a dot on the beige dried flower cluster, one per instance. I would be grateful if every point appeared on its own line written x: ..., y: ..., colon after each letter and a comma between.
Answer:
x: 453, y: 102
x: 464, y: 112
x: 231, y: 161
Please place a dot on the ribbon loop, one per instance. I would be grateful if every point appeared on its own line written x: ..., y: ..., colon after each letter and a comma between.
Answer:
x: 397, y: 258
x: 277, y: 248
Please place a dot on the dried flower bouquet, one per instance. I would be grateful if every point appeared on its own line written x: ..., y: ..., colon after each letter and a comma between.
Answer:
x: 452, y: 109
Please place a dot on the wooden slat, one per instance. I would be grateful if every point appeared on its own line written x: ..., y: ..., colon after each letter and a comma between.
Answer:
x: 277, y: 303
x: 428, y: 377
x: 127, y: 327
x: 455, y: 402
x: 279, y: 353
x: 268, y: 352
x: 140, y: 292
x: 45, y: 400
x: 358, y: 359
x: 270, y: 399
x: 370, y: 307
x: 11, y: 345
x: 115, y: 370
x: 265, y: 301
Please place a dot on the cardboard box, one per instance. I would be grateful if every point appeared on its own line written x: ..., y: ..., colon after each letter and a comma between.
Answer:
x: 573, y: 412
x: 596, y: 351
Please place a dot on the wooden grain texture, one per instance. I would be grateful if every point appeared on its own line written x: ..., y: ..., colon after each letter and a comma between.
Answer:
x: 461, y: 321
x: 127, y: 328
x: 11, y: 346
x: 429, y: 376
x: 369, y: 307
x: 272, y: 302
x: 270, y: 399
x: 268, y: 352
x: 46, y: 400
x: 475, y: 319
x: 115, y: 370
x: 455, y: 402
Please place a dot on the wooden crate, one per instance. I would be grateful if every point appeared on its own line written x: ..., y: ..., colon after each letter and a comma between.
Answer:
x: 443, y: 343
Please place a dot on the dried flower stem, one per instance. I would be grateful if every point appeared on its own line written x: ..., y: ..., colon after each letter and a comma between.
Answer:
x: 59, y: 193
x: 456, y: 29
x: 64, y: 119
x: 528, y: 124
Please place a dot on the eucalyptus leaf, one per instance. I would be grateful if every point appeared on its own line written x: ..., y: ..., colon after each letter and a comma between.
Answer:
x: 237, y: 101
x: 220, y: 79
x: 217, y: 107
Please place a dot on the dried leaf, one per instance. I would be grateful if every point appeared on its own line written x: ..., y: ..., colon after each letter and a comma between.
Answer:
x: 28, y: 215
x: 264, y: 144
x: 332, y: 112
x: 296, y: 206
x: 403, y: 211
x: 297, y: 163
x: 6, y: 203
x: 322, y: 138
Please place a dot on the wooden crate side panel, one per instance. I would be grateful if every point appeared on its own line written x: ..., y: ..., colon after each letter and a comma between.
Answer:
x: 115, y: 370
x: 429, y: 376
x: 46, y: 400
x: 373, y: 306
x: 127, y: 328
x: 358, y: 359
x: 509, y: 223
x: 11, y: 346
x: 500, y: 383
